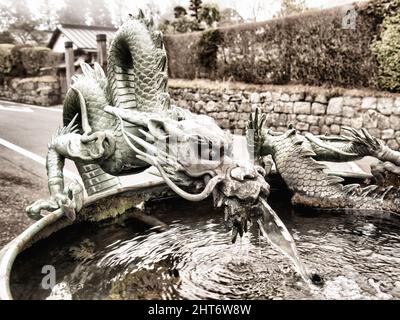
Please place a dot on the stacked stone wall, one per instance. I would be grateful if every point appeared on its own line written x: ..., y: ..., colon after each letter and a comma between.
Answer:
x: 43, y: 91
x: 318, y: 113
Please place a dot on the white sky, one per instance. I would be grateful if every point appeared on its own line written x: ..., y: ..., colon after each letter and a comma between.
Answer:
x: 262, y: 9
x: 267, y: 8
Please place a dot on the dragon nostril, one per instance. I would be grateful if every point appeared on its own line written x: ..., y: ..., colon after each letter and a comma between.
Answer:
x: 238, y: 174
x: 242, y: 174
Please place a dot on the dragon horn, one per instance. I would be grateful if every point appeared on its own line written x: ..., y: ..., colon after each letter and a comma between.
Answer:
x: 250, y: 123
x: 84, y: 116
x: 71, y: 125
x: 148, y: 136
x: 140, y: 14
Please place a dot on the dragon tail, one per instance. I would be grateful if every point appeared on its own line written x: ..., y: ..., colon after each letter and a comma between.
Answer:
x: 137, y: 67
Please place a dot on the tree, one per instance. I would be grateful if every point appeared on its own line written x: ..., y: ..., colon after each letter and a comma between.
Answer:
x: 230, y: 16
x: 152, y: 9
x: 387, y: 52
x: 6, y: 37
x: 100, y: 13
x: 28, y: 32
x: 257, y: 8
x: 75, y: 11
x: 289, y: 7
x: 179, y: 11
x: 6, y: 17
x: 21, y: 10
x: 119, y: 12
x: 185, y: 24
x: 209, y: 14
x: 165, y: 26
x: 48, y: 15
x: 195, y: 6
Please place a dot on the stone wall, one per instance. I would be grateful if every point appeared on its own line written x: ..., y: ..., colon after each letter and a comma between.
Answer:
x: 43, y: 91
x: 310, y: 109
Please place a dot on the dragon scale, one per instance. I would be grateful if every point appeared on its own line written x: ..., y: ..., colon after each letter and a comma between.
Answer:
x: 137, y: 67
x: 313, y: 187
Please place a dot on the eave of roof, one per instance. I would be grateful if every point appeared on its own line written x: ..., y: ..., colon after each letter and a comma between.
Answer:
x: 81, y: 35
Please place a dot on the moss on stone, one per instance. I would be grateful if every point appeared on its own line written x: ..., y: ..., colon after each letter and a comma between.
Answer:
x: 83, y: 252
x: 149, y: 284
x: 111, y: 207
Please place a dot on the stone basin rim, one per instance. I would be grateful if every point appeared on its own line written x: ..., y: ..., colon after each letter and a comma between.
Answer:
x: 10, y: 251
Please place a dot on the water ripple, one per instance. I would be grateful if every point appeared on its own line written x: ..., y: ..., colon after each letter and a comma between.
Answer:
x: 357, y: 256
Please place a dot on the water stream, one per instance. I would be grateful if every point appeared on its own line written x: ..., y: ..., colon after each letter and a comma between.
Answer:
x: 358, y: 257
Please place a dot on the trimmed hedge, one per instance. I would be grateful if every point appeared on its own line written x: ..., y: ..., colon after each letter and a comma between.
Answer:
x: 7, y: 61
x: 20, y: 60
x: 34, y: 58
x: 310, y: 48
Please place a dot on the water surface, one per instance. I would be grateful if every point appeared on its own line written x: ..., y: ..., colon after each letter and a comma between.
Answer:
x: 357, y: 255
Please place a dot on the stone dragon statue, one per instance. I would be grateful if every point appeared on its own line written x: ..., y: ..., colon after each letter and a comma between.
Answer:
x: 123, y: 122
x: 296, y: 156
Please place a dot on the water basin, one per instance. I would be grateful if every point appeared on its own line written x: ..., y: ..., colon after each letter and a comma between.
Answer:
x: 357, y: 255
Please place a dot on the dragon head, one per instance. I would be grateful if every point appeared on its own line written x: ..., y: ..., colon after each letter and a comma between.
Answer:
x: 192, y: 152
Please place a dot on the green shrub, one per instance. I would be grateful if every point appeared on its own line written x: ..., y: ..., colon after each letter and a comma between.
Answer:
x: 208, y: 48
x: 387, y: 51
x: 23, y: 60
x: 6, y: 58
x: 381, y: 8
x: 34, y: 58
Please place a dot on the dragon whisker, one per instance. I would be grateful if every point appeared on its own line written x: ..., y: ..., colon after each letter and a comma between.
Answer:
x: 186, y: 195
x: 147, y: 135
x: 149, y: 147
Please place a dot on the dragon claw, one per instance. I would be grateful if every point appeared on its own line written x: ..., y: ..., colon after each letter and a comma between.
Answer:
x: 365, y: 142
x: 70, y: 202
x: 34, y: 210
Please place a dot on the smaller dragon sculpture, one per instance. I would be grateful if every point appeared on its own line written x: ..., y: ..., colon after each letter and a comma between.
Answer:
x: 296, y: 158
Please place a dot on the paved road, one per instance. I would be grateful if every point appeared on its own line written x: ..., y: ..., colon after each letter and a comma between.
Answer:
x: 29, y: 128
x: 24, y: 134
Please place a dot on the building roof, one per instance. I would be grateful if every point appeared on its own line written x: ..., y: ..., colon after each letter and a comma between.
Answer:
x: 83, y: 37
